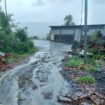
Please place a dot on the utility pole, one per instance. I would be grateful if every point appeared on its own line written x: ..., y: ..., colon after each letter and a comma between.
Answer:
x: 5, y: 2
x: 85, y: 31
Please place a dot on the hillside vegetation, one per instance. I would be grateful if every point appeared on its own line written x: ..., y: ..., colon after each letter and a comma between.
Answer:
x: 13, y: 39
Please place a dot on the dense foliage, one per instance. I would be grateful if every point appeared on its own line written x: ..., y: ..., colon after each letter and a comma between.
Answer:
x: 96, y: 42
x: 17, y: 41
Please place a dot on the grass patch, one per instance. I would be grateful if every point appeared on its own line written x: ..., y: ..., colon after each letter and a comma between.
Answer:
x: 99, y: 63
x: 90, y: 68
x: 74, y: 62
x: 8, y: 60
x: 85, y: 79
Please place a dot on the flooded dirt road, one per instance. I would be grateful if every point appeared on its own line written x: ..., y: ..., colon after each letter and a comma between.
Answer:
x: 38, y: 80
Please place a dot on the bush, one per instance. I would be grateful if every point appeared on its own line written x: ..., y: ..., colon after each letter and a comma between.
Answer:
x: 74, y: 62
x: 90, y: 68
x: 21, y: 34
x: 8, y: 60
x: 13, y: 42
x: 98, y: 63
x: 8, y: 49
x: 85, y: 79
x: 95, y: 57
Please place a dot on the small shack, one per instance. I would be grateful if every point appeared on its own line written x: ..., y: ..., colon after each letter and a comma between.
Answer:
x: 73, y: 33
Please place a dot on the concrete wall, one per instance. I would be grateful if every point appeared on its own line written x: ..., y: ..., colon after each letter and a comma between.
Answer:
x: 67, y: 32
x: 91, y: 31
x: 103, y: 31
x: 75, y: 32
x: 52, y: 37
x: 55, y: 31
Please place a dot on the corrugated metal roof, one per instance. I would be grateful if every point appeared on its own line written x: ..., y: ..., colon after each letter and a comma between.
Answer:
x: 78, y: 26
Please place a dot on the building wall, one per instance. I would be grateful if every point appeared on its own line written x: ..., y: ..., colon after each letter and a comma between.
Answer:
x: 76, y: 32
x: 91, y: 31
x: 103, y: 31
x: 52, y: 37
x: 67, y: 32
x: 55, y: 31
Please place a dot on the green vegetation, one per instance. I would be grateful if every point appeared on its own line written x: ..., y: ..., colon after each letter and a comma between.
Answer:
x: 78, y: 63
x: 90, y: 68
x: 96, y: 43
x: 69, y: 20
x: 15, y: 42
x: 74, y: 62
x: 98, y: 63
x: 48, y: 36
x: 85, y: 79
x: 8, y: 60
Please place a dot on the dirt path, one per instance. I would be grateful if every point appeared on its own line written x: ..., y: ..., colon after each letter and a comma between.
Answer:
x: 37, y: 82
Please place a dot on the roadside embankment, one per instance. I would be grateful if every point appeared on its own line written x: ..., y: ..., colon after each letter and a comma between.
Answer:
x: 87, y: 82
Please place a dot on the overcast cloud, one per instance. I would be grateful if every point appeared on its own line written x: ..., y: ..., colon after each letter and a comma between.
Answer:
x: 52, y: 12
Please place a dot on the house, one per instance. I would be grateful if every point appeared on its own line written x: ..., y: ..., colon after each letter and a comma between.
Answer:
x: 73, y: 33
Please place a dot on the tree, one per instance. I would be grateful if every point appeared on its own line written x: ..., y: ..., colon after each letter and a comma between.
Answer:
x: 5, y: 21
x: 69, y: 20
x: 13, y: 41
x: 21, y: 34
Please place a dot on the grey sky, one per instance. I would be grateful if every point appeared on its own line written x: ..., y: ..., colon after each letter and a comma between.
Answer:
x: 52, y: 12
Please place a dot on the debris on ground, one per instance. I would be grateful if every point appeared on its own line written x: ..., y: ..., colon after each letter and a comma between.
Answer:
x: 83, y: 93
x: 5, y: 61
x: 92, y: 98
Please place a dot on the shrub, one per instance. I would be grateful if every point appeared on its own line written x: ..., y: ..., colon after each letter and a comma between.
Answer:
x: 95, y: 57
x: 74, y: 62
x: 98, y: 63
x: 8, y: 49
x: 13, y: 42
x: 8, y: 60
x: 21, y: 34
x: 90, y: 68
x: 85, y: 79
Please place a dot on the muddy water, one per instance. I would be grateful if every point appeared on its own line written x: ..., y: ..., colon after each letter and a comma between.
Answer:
x: 37, y: 81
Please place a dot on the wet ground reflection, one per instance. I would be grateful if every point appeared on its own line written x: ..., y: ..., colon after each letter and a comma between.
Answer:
x: 37, y: 82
